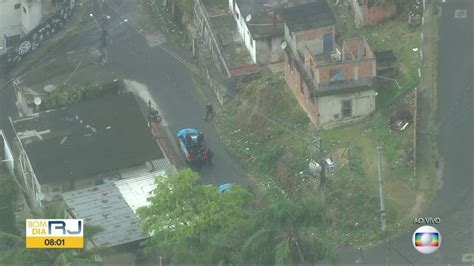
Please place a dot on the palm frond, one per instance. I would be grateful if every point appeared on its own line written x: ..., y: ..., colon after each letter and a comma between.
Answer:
x: 14, y: 237
x: 259, y: 245
x: 283, y: 254
x: 55, y: 210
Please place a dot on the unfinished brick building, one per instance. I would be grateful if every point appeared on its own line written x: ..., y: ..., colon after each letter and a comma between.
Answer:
x: 333, y: 87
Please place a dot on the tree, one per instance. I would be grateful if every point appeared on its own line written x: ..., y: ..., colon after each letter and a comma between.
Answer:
x: 18, y: 254
x: 193, y: 222
x: 287, y: 233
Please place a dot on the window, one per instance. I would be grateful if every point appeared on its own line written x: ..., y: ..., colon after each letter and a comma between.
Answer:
x: 336, y: 74
x: 17, y: 6
x: 346, y: 108
x: 237, y: 15
x: 24, y: 10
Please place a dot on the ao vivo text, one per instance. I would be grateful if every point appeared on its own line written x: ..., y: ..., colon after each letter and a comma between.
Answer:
x: 427, y: 220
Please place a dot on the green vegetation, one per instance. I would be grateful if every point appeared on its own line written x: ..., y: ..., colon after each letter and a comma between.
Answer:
x: 62, y: 96
x: 8, y: 203
x: 17, y: 254
x: 195, y: 223
x: 269, y: 132
x: 288, y: 233
x: 392, y: 34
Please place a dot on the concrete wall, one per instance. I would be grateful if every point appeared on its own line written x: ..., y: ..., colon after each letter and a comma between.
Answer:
x: 366, y: 15
x: 330, y: 107
x: 311, y: 39
x: 269, y: 50
x: 245, y: 33
x: 299, y: 89
x: 352, y: 71
x: 357, y: 13
x: 48, y: 26
x: 10, y: 21
x: 31, y: 14
x: 25, y: 175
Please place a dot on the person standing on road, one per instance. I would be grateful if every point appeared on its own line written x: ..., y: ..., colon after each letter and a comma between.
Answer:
x: 209, y: 111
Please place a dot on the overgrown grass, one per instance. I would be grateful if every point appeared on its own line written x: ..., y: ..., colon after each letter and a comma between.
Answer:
x: 267, y: 130
x: 269, y: 133
x: 392, y: 34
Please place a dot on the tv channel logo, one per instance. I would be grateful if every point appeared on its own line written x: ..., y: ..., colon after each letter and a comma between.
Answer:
x: 426, y: 239
x: 54, y: 233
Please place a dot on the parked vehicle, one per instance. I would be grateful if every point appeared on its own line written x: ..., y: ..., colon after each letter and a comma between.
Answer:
x: 193, y: 147
x: 225, y: 187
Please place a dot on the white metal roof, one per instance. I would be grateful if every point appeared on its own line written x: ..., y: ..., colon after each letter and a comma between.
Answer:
x: 113, y: 207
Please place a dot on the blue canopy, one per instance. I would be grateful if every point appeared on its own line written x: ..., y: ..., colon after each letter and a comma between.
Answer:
x: 225, y: 187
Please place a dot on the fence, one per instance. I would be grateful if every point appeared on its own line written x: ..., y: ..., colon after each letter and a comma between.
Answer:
x: 206, y: 33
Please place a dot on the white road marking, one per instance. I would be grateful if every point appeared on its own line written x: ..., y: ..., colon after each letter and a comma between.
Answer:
x: 468, y: 257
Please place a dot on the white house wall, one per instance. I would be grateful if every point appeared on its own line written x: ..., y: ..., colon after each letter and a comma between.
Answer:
x: 8, y: 155
x: 10, y: 21
x: 231, y: 6
x: 363, y: 103
x: 245, y: 33
x: 31, y: 13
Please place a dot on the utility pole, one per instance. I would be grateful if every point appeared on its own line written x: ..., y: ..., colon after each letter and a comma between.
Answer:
x: 103, y: 30
x: 322, y: 176
x: 104, y: 36
x: 382, y: 204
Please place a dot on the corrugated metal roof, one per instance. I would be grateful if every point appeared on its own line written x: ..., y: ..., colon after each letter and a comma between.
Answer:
x: 112, y: 206
x: 164, y: 165
x: 136, y: 191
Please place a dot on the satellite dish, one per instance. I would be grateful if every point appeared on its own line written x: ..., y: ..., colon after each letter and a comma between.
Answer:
x: 283, y: 45
x: 50, y: 88
x: 248, y: 18
x: 37, y: 101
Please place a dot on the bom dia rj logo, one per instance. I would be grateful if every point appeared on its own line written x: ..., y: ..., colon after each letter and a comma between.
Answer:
x: 54, y: 233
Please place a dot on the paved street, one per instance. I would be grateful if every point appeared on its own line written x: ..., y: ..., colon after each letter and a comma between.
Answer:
x: 454, y: 203
x: 136, y: 56
x: 171, y: 86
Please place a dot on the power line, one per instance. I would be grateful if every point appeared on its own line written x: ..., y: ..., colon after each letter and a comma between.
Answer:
x: 276, y: 121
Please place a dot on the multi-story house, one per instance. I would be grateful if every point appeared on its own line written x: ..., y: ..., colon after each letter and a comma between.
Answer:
x: 333, y: 85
